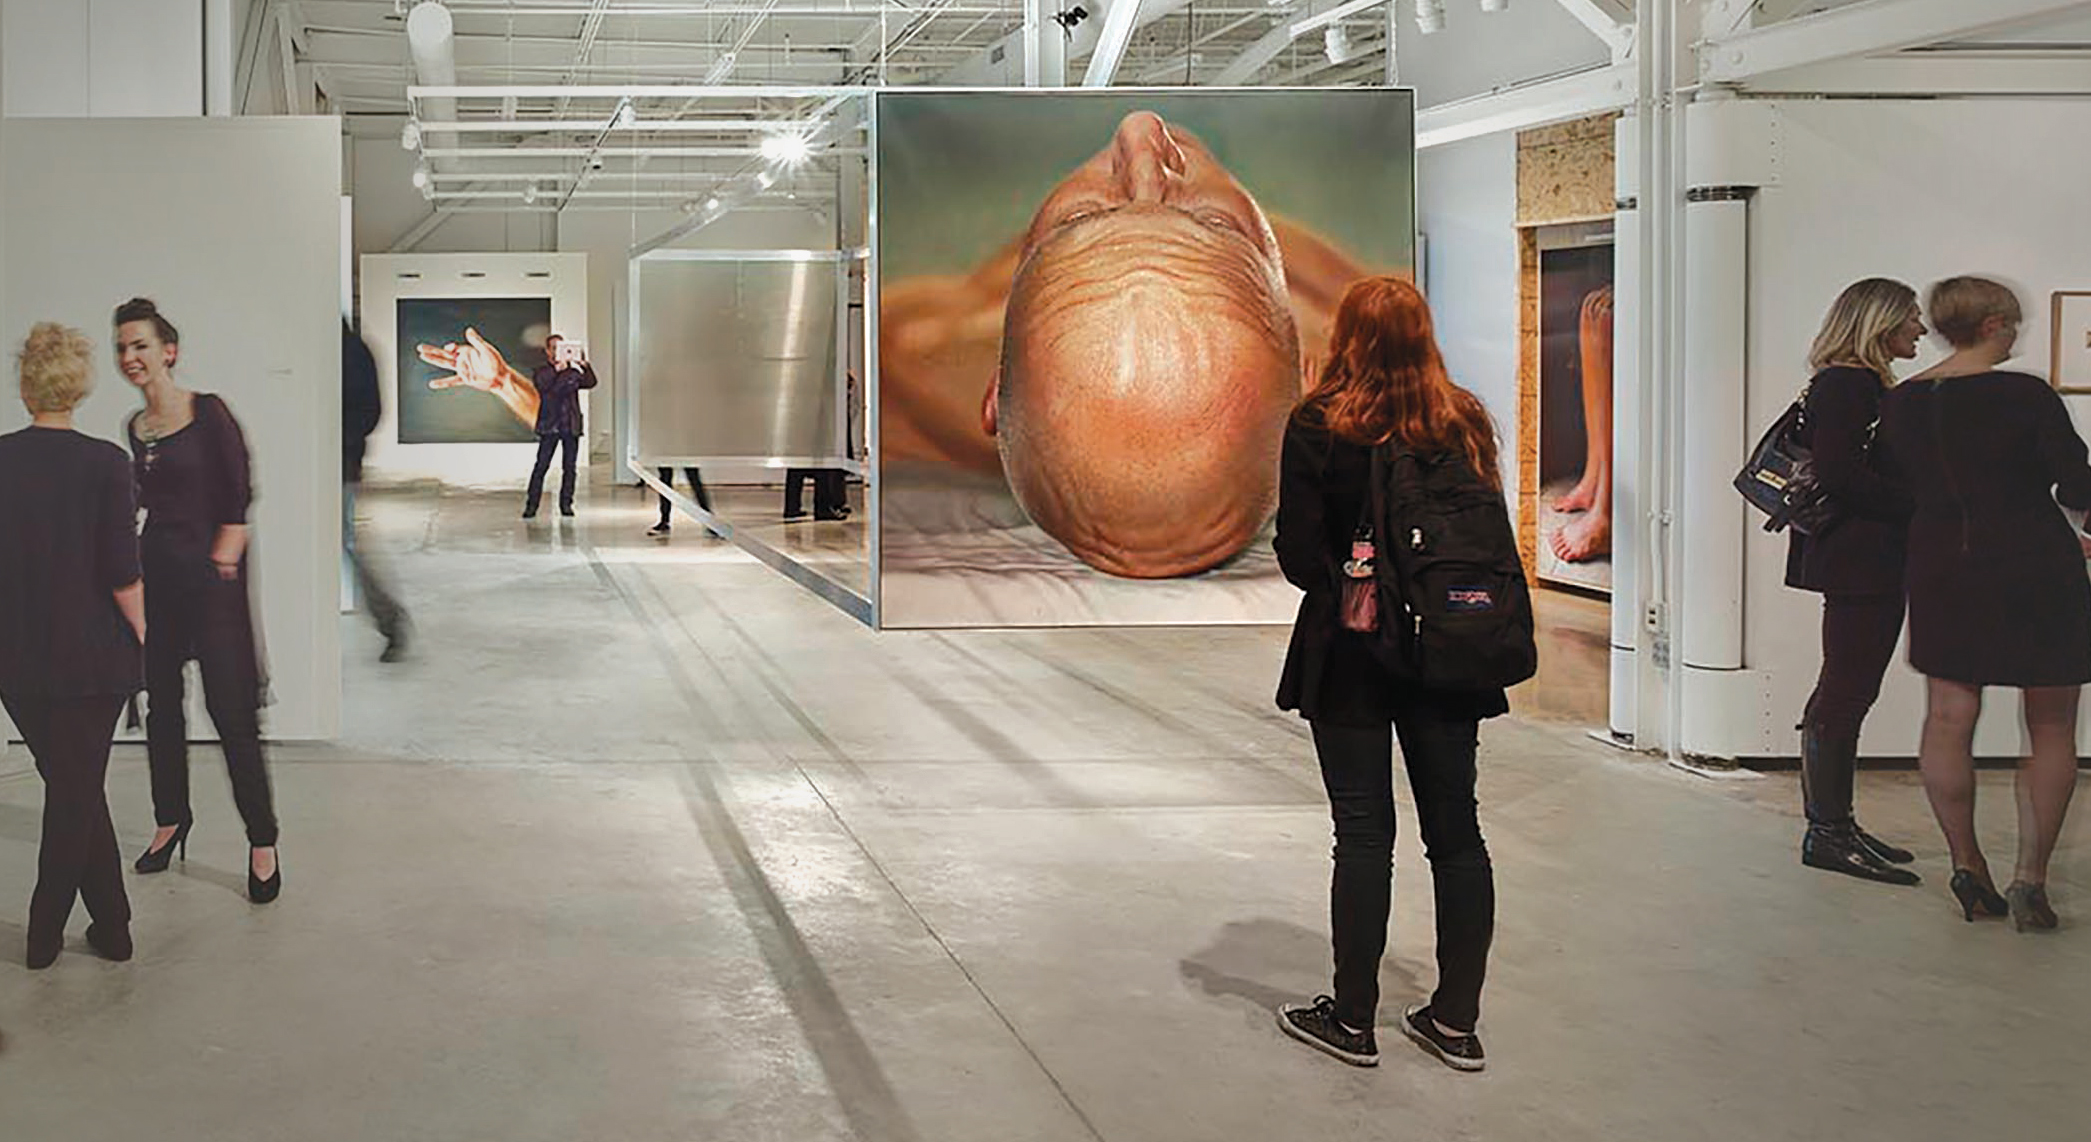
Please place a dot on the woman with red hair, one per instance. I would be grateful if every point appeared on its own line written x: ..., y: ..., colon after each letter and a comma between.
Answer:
x: 1383, y: 381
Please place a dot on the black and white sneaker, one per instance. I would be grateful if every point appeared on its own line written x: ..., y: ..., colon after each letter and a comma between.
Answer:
x: 1460, y: 1052
x: 1316, y: 1025
x: 657, y: 530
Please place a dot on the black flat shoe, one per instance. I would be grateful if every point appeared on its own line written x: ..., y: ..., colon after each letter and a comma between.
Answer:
x: 1316, y: 1025
x: 1837, y: 848
x: 2030, y: 911
x: 1460, y: 1052
x: 42, y: 953
x: 1883, y: 849
x: 157, y: 860
x: 1978, y: 897
x: 264, y: 891
x: 112, y: 944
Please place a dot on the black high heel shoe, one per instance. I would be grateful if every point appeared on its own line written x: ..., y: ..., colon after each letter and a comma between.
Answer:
x: 2030, y: 910
x: 157, y: 860
x: 1978, y: 897
x: 264, y: 891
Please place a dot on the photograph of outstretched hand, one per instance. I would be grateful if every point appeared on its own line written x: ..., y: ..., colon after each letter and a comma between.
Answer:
x: 1096, y: 313
x: 460, y: 368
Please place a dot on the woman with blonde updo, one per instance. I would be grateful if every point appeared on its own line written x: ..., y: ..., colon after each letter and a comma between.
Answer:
x: 72, y: 618
x: 1997, y: 591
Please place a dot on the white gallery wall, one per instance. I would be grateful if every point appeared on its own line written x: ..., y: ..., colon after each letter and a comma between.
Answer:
x: 1466, y: 209
x: 1916, y: 191
x: 386, y: 279
x: 103, y: 57
x: 233, y: 226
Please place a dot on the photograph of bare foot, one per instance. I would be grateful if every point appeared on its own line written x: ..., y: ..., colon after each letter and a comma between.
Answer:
x: 1589, y: 536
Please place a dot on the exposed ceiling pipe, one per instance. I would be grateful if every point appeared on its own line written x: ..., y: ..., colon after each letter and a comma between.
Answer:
x: 432, y: 40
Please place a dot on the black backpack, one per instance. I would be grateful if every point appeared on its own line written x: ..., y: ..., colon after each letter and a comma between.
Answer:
x: 1455, y: 610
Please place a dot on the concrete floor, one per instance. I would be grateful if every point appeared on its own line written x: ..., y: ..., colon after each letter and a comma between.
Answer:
x: 647, y: 843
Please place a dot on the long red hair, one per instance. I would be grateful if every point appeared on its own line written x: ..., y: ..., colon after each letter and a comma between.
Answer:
x: 1385, y: 379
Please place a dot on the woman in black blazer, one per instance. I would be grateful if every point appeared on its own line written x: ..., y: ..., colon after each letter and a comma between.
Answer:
x: 72, y: 616
x: 1855, y: 565
x: 1385, y: 380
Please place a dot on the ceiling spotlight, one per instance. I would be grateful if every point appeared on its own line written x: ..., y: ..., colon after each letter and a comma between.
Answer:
x: 410, y: 136
x: 429, y: 192
x: 421, y: 177
x: 1335, y: 43
x: 786, y: 148
x: 712, y: 203
x: 530, y: 194
x: 627, y: 115
x: 1495, y: 5
x: 766, y: 180
x: 1430, y: 16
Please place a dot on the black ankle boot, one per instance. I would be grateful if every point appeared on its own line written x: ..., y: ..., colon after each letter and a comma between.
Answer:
x: 1837, y: 848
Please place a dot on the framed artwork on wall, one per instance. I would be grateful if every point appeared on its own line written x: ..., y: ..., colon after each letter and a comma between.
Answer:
x: 2070, y: 367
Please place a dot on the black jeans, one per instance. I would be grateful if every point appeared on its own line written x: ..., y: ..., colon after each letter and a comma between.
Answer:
x: 1357, y: 768
x: 1859, y: 633
x: 697, y: 492
x: 829, y: 492
x: 69, y: 738
x: 190, y: 613
x: 568, y: 444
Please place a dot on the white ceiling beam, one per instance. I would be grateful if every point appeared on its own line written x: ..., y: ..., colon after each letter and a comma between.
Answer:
x: 1609, y: 20
x: 1119, y: 22
x: 616, y: 152
x: 1574, y: 96
x: 519, y: 126
x: 616, y: 91
x: 1259, y: 55
x: 1934, y: 74
x: 1871, y: 27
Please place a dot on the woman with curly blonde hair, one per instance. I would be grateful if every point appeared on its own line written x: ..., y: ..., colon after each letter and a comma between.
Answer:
x: 72, y: 620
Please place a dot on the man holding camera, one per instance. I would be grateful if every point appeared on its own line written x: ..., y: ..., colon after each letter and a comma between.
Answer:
x: 559, y: 382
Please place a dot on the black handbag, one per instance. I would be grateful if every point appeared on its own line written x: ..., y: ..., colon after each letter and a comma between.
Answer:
x: 1779, y: 477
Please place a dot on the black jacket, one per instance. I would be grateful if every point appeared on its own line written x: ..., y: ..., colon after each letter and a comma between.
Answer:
x: 68, y: 539
x: 1331, y: 674
x: 360, y: 404
x: 559, y: 398
x: 1862, y: 553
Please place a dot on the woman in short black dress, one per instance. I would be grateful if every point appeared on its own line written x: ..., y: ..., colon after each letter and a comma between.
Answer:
x: 193, y: 482
x: 1998, y: 591
x: 72, y: 613
x: 1385, y: 380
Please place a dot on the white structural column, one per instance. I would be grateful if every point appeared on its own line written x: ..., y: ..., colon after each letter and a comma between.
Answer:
x: 1629, y: 496
x: 1045, y: 45
x: 221, y: 47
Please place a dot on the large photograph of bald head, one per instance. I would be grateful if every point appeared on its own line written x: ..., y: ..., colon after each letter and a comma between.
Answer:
x: 1096, y: 311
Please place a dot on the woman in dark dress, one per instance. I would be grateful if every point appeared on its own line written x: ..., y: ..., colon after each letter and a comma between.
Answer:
x: 1855, y: 565
x: 72, y: 614
x: 192, y: 470
x: 1997, y: 587
x: 1384, y: 380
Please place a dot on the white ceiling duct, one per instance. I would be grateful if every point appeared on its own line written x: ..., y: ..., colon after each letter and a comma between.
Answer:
x: 432, y: 39
x: 1430, y: 16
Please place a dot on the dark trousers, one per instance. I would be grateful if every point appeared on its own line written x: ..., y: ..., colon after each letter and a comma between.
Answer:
x: 829, y: 492
x: 1357, y: 768
x: 69, y: 738
x: 696, y: 481
x: 569, y: 445
x: 378, y: 597
x: 1859, y: 633
x: 195, y: 615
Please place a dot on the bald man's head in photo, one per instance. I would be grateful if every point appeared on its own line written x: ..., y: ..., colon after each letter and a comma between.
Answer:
x: 1149, y: 360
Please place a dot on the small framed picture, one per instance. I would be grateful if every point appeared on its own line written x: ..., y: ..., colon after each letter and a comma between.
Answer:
x: 2070, y: 370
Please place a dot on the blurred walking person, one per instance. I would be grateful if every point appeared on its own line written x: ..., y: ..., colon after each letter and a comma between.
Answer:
x: 72, y: 618
x: 361, y: 408
x: 193, y: 473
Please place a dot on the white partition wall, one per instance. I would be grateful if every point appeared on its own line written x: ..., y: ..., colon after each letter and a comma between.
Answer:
x: 508, y: 282
x: 233, y: 227
x: 1911, y: 190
